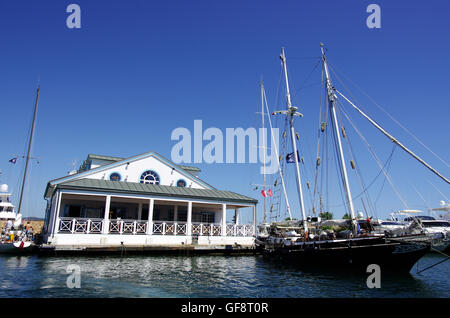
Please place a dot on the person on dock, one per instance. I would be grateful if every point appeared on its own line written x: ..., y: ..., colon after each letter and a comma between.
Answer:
x: 28, y: 229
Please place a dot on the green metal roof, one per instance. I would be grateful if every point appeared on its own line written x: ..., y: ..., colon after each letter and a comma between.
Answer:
x: 101, y: 157
x: 189, y: 168
x: 116, y: 159
x: 155, y: 190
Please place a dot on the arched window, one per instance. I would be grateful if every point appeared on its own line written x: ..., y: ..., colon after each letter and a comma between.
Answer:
x: 150, y: 176
x: 115, y: 176
x: 181, y: 183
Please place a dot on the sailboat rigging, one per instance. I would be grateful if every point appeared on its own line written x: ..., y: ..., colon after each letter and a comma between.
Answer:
x: 291, y: 113
x: 306, y: 242
x: 27, y: 158
x: 393, y: 139
x: 19, y: 241
x: 331, y: 99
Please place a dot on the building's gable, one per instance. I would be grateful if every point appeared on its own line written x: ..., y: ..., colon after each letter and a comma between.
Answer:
x: 133, y: 171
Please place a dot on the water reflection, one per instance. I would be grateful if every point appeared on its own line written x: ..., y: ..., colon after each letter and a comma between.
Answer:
x: 203, y: 276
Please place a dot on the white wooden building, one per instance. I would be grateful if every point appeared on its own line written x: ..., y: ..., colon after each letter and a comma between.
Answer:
x: 143, y: 202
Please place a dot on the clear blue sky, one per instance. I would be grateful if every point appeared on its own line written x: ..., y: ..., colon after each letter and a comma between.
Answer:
x: 136, y: 70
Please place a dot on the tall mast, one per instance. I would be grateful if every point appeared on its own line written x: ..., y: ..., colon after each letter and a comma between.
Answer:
x: 331, y: 99
x: 275, y: 148
x: 27, y: 159
x: 264, y: 148
x: 291, y: 112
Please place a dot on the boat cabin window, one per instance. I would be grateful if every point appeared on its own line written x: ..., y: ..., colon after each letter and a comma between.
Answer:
x: 436, y: 223
x: 421, y: 217
x: 426, y: 217
x: 390, y: 223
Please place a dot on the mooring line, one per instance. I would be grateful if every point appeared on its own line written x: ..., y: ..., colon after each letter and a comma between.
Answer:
x: 441, y: 261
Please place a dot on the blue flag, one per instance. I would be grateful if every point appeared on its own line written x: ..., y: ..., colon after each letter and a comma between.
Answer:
x: 290, y: 157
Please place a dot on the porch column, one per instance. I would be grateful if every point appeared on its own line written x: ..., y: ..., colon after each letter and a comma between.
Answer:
x: 189, y: 219
x: 151, y: 203
x: 236, y: 216
x: 254, y: 219
x: 105, y: 229
x: 139, y: 211
x: 56, y: 216
x: 224, y: 219
x: 175, y: 213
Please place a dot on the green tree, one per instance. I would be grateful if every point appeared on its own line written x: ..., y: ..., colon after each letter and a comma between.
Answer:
x: 326, y: 215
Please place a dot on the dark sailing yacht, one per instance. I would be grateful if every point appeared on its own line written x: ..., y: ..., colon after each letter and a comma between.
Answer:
x: 305, y: 243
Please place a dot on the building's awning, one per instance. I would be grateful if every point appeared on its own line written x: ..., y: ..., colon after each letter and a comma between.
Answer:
x: 96, y: 185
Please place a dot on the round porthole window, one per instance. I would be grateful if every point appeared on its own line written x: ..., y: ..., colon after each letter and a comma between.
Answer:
x: 181, y: 183
x: 115, y: 176
x: 150, y: 176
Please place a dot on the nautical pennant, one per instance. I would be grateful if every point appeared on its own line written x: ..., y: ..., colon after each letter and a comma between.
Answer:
x: 13, y: 160
x: 290, y: 157
x: 268, y: 193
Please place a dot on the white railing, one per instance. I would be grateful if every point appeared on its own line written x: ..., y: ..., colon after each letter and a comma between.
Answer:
x: 80, y: 225
x: 118, y: 226
x: 239, y: 230
x: 206, y: 229
x: 169, y: 228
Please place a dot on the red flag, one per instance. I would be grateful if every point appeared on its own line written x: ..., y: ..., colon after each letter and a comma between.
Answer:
x: 267, y: 193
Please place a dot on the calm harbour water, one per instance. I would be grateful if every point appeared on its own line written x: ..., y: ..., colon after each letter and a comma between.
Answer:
x: 206, y: 276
